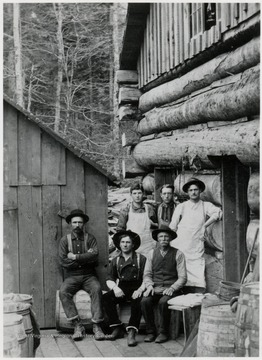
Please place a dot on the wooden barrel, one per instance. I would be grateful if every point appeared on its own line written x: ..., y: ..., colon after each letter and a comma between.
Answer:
x: 228, y: 289
x: 83, y: 306
x: 253, y: 193
x: 247, y: 321
x: 13, y: 325
x: 216, y: 330
x: 25, y: 298
x: 214, y: 235
x: 212, y: 192
x: 252, y: 228
x: 23, y: 309
x: 11, y: 347
x: 148, y: 183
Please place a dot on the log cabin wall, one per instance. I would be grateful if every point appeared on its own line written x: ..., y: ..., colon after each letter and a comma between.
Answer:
x: 43, y: 181
x: 198, y: 71
x: 176, y: 32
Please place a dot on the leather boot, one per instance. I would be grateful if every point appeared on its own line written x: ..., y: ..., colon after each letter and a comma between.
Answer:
x: 79, y: 331
x: 98, y: 332
x: 131, y: 337
x: 118, y: 332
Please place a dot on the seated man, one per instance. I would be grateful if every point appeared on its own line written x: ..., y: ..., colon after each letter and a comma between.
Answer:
x: 164, y: 276
x: 78, y: 255
x: 126, y: 270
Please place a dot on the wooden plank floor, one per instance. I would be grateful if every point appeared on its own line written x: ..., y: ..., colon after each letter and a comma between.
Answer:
x: 56, y: 344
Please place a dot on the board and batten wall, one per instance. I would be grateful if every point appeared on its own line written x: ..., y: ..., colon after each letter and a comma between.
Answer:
x: 175, y: 32
x: 41, y: 178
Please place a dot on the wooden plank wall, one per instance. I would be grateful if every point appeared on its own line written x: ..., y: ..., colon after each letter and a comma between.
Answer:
x: 167, y: 40
x: 42, y: 178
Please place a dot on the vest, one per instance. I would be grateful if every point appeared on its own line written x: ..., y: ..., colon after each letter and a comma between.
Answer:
x: 164, y: 268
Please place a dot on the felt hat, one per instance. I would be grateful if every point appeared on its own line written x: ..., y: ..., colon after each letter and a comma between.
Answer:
x: 194, y: 181
x: 166, y: 229
x: 133, y: 236
x: 77, y: 212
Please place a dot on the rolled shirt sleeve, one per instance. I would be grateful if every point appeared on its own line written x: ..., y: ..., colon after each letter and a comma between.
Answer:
x: 176, y: 217
x: 181, y: 271
x: 213, y: 211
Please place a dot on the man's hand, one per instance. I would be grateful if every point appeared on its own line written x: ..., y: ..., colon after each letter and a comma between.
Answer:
x: 136, y: 294
x: 118, y: 292
x: 90, y: 250
x: 168, y: 291
x: 71, y: 256
x: 202, y: 233
x: 149, y: 290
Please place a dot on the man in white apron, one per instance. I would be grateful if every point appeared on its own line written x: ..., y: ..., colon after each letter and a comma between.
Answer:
x: 190, y: 220
x: 139, y: 218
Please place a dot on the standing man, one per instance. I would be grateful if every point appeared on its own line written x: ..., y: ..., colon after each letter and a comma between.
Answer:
x: 190, y: 220
x: 139, y: 218
x: 125, y: 276
x: 78, y: 255
x: 166, y: 208
x: 164, y: 276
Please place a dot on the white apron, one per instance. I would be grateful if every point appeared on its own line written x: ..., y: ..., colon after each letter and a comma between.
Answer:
x: 189, y: 242
x: 140, y: 224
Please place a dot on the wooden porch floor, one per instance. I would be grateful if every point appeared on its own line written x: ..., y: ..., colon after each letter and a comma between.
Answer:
x: 56, y: 344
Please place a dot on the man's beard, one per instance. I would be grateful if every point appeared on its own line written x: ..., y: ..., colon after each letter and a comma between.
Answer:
x: 78, y: 230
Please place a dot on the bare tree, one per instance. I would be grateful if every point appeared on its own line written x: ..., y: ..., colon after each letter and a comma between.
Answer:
x: 18, y: 55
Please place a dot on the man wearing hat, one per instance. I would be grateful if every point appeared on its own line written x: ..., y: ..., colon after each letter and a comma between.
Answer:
x: 78, y: 255
x: 125, y: 276
x: 190, y: 220
x: 164, y: 276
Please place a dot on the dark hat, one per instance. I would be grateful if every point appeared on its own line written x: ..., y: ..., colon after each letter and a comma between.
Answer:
x: 166, y: 229
x: 194, y: 181
x: 77, y: 212
x: 133, y: 236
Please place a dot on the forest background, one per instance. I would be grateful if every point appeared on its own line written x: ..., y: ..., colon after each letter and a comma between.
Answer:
x: 59, y: 64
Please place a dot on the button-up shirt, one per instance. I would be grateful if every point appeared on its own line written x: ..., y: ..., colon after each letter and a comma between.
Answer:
x: 127, y: 270
x: 86, y: 254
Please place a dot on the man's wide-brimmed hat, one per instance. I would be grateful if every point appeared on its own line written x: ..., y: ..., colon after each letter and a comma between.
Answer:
x: 166, y: 229
x: 194, y: 181
x: 133, y: 236
x: 77, y: 212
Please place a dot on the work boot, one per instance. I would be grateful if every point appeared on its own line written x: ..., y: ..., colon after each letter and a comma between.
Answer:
x: 131, y: 337
x: 118, y: 332
x: 98, y: 332
x: 79, y: 331
x: 161, y: 338
x: 150, y: 338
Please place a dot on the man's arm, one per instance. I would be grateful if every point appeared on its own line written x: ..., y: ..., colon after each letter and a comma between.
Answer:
x: 112, y: 277
x: 62, y: 252
x: 176, y: 217
x: 148, y: 275
x: 122, y: 220
x: 91, y: 255
x: 181, y: 271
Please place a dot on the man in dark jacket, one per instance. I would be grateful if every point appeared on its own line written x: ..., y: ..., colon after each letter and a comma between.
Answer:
x: 164, y: 276
x: 125, y: 276
x: 166, y: 208
x: 78, y: 255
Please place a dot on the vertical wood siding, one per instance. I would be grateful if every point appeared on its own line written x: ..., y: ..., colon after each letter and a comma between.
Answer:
x: 41, y: 178
x: 176, y: 32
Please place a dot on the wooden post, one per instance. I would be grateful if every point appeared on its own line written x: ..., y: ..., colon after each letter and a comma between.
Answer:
x: 235, y: 217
